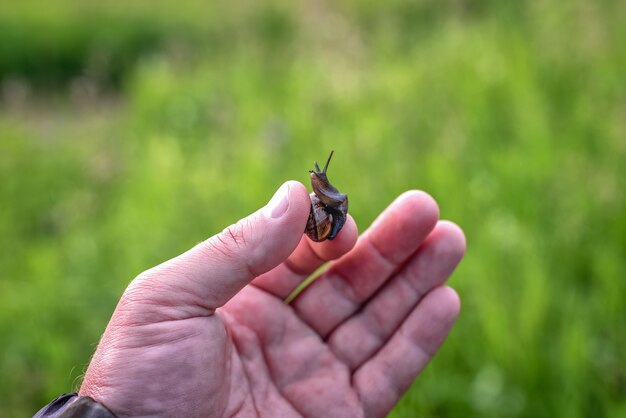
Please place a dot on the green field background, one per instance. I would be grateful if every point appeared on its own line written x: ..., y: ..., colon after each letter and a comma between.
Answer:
x: 131, y: 130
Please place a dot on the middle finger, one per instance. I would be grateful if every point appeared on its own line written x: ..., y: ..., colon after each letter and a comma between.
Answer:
x: 341, y: 290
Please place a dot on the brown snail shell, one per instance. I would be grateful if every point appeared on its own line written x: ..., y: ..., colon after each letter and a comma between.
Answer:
x: 329, y: 208
x: 319, y: 224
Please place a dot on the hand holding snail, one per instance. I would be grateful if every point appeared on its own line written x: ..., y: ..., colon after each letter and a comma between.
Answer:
x: 328, y: 207
x: 186, y: 332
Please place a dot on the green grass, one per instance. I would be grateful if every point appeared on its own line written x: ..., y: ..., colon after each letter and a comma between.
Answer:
x: 511, y: 114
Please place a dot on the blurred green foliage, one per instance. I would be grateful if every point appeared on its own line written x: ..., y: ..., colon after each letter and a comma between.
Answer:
x: 129, y: 131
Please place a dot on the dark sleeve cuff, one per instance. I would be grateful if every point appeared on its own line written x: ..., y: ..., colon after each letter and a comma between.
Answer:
x: 70, y: 405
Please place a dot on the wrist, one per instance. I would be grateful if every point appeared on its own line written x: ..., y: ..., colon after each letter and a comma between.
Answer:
x: 70, y: 405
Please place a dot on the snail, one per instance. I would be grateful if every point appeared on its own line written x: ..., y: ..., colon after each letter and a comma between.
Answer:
x: 328, y: 207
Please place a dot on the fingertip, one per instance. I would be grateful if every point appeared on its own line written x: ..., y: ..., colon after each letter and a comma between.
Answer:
x: 297, y: 190
x: 344, y: 241
x: 406, y: 222
x: 453, y: 300
x: 298, y: 207
x: 351, y: 230
x: 453, y: 238
x: 412, y: 210
x: 446, y: 303
x: 418, y: 201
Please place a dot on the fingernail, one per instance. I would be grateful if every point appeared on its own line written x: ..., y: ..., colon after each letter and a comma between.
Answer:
x: 279, y: 203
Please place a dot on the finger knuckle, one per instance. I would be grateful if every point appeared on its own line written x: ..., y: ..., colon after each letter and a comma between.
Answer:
x: 227, y: 243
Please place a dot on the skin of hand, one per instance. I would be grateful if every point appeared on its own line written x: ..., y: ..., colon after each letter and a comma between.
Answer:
x: 208, y: 334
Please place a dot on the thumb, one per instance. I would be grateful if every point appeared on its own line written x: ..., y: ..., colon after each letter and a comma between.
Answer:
x: 204, y: 278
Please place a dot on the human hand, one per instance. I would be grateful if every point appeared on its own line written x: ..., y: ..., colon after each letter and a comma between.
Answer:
x: 208, y: 333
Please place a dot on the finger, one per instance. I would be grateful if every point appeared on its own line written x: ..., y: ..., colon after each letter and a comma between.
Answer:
x: 358, y: 338
x: 382, y: 380
x: 388, y: 243
x: 307, y: 258
x: 207, y: 276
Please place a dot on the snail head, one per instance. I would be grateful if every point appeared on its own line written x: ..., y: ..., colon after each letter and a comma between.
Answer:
x: 321, y: 173
x: 319, y: 180
x: 322, y: 187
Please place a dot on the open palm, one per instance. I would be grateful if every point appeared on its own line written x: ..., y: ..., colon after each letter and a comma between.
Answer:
x: 208, y: 333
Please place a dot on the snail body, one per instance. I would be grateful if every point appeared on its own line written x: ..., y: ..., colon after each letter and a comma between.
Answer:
x: 329, y: 207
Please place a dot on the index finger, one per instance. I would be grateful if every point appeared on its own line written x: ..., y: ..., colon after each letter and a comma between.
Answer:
x: 306, y: 258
